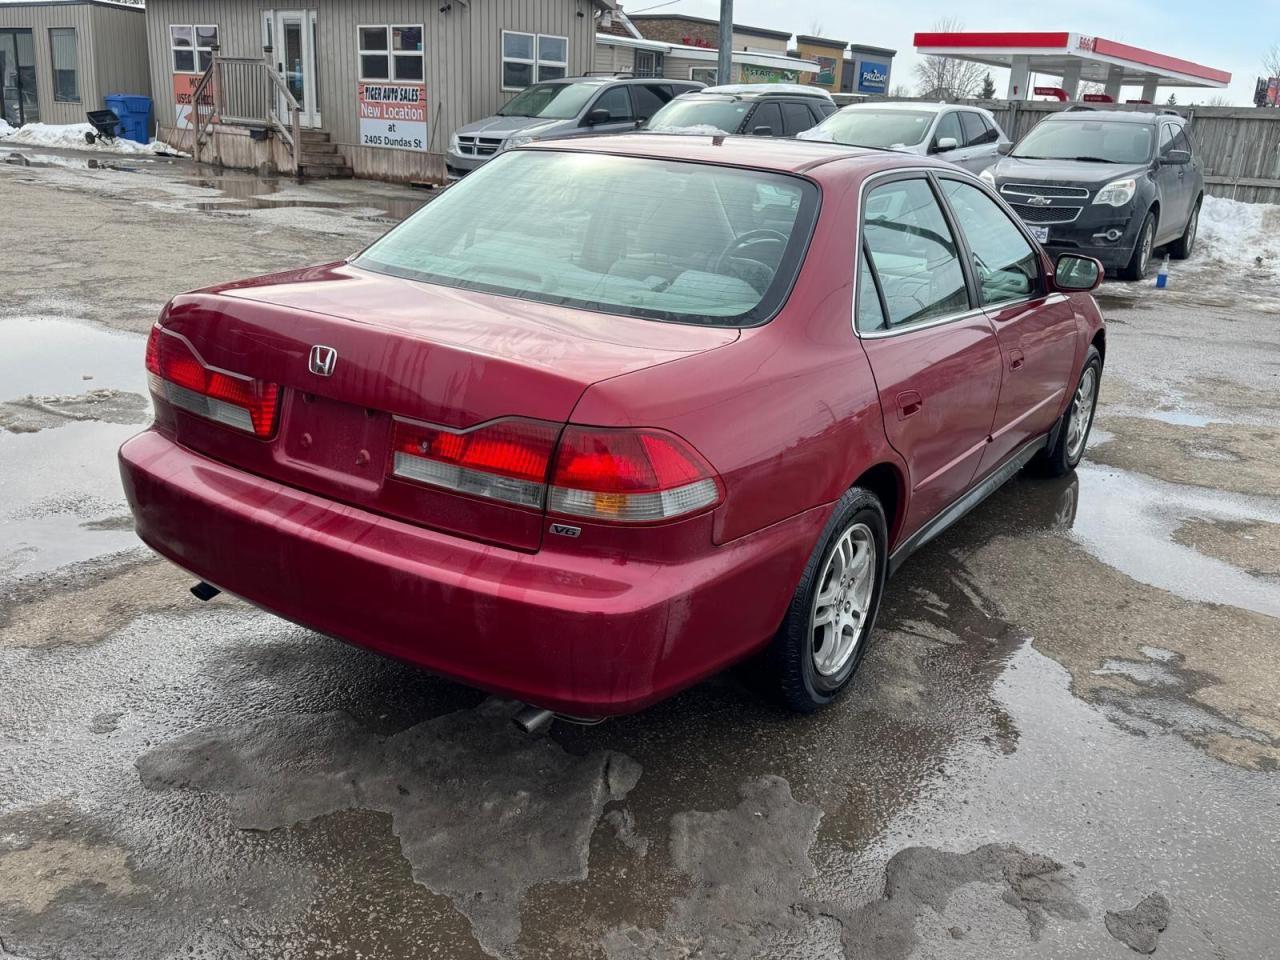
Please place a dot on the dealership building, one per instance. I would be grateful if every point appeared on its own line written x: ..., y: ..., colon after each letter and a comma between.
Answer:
x: 366, y: 87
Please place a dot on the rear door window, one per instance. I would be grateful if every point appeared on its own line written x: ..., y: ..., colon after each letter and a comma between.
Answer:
x: 650, y: 98
x: 914, y: 253
x: 795, y: 118
x: 976, y: 130
x: 766, y: 115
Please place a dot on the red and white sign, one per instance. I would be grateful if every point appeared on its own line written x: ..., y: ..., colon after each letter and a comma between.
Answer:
x: 393, y: 115
x: 184, y: 87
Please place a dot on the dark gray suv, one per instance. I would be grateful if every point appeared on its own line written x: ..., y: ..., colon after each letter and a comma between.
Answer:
x: 1108, y: 184
x: 566, y: 107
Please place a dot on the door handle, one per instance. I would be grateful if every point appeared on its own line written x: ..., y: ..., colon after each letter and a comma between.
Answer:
x: 909, y: 404
x: 1016, y: 360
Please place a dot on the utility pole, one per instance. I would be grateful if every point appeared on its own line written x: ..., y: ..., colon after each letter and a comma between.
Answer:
x: 724, y: 64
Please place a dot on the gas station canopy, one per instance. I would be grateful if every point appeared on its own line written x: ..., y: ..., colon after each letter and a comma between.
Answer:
x: 1073, y: 57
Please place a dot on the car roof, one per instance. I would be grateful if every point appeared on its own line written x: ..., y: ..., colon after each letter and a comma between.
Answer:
x: 756, y: 90
x: 1085, y: 114
x: 601, y: 79
x: 780, y: 154
x: 911, y: 106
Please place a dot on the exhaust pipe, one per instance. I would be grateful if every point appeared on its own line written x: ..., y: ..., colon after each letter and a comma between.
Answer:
x: 533, y: 719
x: 204, y: 591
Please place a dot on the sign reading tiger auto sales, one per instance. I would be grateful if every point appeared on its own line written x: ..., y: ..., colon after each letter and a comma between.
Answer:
x: 393, y: 115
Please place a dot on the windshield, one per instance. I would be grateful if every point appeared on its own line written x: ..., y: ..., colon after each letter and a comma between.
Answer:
x: 658, y: 239
x: 1098, y: 141
x: 873, y: 128
x: 552, y: 101
x: 700, y: 115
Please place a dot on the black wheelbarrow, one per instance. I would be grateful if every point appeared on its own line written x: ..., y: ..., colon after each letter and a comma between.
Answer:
x: 105, y: 122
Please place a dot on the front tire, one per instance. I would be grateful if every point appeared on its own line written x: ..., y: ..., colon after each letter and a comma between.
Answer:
x: 1140, y: 259
x: 824, y: 634
x: 1073, y: 430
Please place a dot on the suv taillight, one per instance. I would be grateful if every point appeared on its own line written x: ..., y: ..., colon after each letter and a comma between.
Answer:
x: 177, y: 375
x: 628, y: 476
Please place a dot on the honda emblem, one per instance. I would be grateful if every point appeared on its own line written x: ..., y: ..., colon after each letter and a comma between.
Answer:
x: 322, y: 360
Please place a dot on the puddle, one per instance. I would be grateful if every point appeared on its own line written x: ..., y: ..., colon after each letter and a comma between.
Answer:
x: 46, y: 356
x: 371, y: 209
x: 55, y: 481
x: 28, y: 159
x: 1179, y: 418
x: 1127, y: 521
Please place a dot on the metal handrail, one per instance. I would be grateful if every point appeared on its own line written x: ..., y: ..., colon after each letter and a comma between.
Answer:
x: 196, y: 117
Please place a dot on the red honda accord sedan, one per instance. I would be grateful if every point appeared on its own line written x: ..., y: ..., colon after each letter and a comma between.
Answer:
x: 614, y: 413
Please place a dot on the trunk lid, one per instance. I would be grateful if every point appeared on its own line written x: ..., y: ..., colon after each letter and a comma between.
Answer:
x: 404, y: 349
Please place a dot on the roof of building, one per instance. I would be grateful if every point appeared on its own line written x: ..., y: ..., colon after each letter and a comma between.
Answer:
x: 737, y: 27
x: 878, y: 51
x: 821, y: 41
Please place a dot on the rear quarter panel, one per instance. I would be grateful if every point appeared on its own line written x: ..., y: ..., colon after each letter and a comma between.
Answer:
x: 788, y: 415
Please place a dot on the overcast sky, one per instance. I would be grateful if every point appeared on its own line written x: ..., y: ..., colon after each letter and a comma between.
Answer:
x: 1227, y: 34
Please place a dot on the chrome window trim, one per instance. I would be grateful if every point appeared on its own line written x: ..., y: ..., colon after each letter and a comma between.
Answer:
x: 956, y: 316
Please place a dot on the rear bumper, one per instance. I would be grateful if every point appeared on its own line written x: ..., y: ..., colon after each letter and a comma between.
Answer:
x: 582, y: 635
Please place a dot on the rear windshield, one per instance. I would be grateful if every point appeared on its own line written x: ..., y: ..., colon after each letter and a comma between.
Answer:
x: 659, y: 239
x: 1096, y: 141
x: 873, y: 128
x: 703, y: 115
x: 550, y: 101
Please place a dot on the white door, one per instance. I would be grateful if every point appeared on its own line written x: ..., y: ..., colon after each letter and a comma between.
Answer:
x: 291, y: 34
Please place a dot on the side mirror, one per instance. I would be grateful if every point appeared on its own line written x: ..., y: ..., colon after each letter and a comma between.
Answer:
x: 1076, y: 274
x: 1176, y: 158
x: 762, y: 131
x: 595, y: 117
x: 1004, y: 148
x: 943, y: 144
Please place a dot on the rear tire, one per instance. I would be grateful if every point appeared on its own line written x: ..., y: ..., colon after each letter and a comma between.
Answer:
x: 1136, y: 268
x: 1181, y: 248
x: 825, y: 632
x: 1073, y: 429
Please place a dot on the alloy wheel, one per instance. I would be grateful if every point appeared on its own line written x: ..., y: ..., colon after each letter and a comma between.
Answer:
x: 1081, y: 413
x: 842, y: 602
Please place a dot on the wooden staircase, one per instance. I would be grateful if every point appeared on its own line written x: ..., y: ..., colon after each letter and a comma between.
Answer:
x: 319, y: 157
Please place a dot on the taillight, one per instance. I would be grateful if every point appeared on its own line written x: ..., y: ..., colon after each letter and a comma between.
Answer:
x: 177, y: 375
x: 611, y: 475
x: 629, y: 475
x: 504, y: 460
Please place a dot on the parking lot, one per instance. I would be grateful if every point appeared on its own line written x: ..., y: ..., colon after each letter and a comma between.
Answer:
x: 1064, y: 742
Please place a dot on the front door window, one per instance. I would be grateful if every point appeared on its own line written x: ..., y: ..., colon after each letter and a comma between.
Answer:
x: 18, y: 103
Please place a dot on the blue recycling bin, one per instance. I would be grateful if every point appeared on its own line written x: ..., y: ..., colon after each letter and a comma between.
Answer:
x: 134, y: 113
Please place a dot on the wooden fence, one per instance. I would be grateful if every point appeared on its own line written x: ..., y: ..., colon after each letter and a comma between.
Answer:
x: 1240, y: 148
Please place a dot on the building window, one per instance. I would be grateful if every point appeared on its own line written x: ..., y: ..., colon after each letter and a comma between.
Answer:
x: 192, y: 46
x: 391, y: 52
x: 66, y: 80
x: 705, y: 75
x: 531, y: 58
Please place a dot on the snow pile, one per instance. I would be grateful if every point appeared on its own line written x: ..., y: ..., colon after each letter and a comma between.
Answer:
x: 1240, y: 236
x: 71, y: 136
x: 693, y: 130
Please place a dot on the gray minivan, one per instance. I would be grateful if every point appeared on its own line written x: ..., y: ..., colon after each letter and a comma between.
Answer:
x: 561, y: 108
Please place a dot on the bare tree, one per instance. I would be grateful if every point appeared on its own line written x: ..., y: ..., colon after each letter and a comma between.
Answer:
x: 1271, y: 61
x: 1218, y: 100
x: 815, y: 28
x: 900, y: 91
x: 946, y: 77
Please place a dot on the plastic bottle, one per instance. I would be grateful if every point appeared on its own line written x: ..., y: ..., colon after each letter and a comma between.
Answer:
x: 1162, y: 275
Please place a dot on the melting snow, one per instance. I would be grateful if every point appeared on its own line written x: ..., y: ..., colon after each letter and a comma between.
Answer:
x: 71, y: 135
x: 1240, y: 236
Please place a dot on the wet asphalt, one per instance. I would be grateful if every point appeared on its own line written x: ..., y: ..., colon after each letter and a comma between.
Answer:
x: 1064, y: 743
